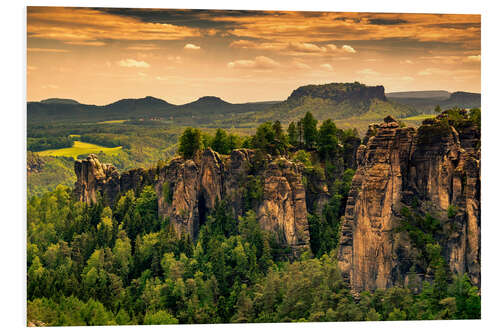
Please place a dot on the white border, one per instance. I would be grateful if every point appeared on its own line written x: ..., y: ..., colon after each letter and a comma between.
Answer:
x: 13, y: 178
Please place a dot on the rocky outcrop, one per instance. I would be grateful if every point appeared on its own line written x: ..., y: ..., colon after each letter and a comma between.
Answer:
x: 188, y: 190
x: 340, y: 92
x: 94, y: 179
x: 400, y: 166
x: 283, y: 209
x: 34, y: 163
x: 195, y: 186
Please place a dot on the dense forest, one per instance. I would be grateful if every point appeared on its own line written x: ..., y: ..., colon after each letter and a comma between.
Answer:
x: 90, y: 264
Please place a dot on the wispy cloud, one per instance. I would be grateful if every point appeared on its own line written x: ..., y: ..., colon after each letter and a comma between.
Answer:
x: 87, y: 43
x: 300, y: 65
x: 260, y: 62
x: 191, y: 47
x: 143, y: 47
x: 326, y: 67
x: 348, y: 49
x: 474, y: 58
x: 248, y: 44
x: 293, y: 48
x: 368, y: 71
x: 38, y: 49
x: 133, y: 63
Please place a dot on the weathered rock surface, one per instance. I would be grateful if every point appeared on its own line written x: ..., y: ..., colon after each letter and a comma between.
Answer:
x: 188, y: 189
x: 396, y: 166
x: 94, y: 178
x: 283, y: 209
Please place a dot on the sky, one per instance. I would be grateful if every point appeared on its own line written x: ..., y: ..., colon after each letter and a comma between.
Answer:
x: 100, y: 55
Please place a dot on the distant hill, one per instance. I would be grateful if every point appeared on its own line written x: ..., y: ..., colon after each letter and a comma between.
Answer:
x: 434, y: 94
x: 338, y: 101
x: 426, y: 101
x: 59, y: 101
x: 334, y: 100
x: 204, y: 110
x: 139, y: 103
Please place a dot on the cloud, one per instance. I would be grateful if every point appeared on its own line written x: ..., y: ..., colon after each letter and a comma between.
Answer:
x: 86, y: 43
x: 382, y: 21
x: 259, y: 62
x: 289, y: 27
x: 474, y: 58
x: 143, y: 47
x: 407, y: 78
x: 92, y: 25
x: 247, y: 44
x: 133, y: 63
x: 444, y: 59
x: 406, y: 62
x: 368, y: 71
x: 427, y: 72
x: 326, y: 67
x: 318, y: 49
x: 447, y: 72
x: 175, y: 59
x: 37, y: 49
x: 348, y: 49
x: 306, y: 47
x: 191, y: 47
x: 300, y: 65
x: 292, y: 48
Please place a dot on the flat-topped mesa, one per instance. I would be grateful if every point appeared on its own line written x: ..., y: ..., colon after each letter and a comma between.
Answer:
x: 397, y: 166
x: 341, y: 91
x: 189, y: 189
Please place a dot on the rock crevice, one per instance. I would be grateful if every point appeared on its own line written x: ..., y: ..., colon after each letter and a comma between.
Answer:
x: 399, y: 166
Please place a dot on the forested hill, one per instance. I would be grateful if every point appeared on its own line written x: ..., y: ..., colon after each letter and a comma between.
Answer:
x: 426, y: 101
x: 338, y: 101
x: 202, y: 110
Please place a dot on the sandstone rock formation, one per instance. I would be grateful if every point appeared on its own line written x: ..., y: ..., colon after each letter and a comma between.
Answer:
x: 396, y: 167
x: 189, y: 189
x: 94, y: 178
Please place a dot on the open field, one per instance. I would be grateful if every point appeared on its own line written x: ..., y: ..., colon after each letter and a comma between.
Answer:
x: 118, y: 121
x: 420, y: 117
x: 80, y: 148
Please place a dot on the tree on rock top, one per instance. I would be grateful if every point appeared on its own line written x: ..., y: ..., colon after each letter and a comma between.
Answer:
x: 190, y: 142
x: 389, y: 119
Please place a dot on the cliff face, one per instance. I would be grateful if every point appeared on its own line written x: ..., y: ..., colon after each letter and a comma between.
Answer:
x: 341, y: 91
x: 398, y: 167
x: 189, y: 189
x: 95, y: 178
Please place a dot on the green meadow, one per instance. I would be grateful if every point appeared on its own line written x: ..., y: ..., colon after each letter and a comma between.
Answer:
x: 118, y: 121
x: 80, y: 148
x: 420, y: 117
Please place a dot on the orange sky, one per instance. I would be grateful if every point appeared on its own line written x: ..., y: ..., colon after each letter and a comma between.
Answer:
x: 98, y: 56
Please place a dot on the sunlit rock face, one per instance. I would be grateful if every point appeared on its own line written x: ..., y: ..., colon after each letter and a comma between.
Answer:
x: 400, y: 166
x: 188, y: 190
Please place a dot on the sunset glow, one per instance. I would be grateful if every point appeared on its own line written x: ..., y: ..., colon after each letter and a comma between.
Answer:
x: 98, y: 56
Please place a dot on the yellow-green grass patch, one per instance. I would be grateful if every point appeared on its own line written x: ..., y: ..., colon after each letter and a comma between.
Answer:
x: 80, y: 148
x: 117, y: 121
x: 420, y: 117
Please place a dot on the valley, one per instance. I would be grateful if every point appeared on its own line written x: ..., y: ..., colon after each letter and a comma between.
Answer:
x: 290, y: 199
